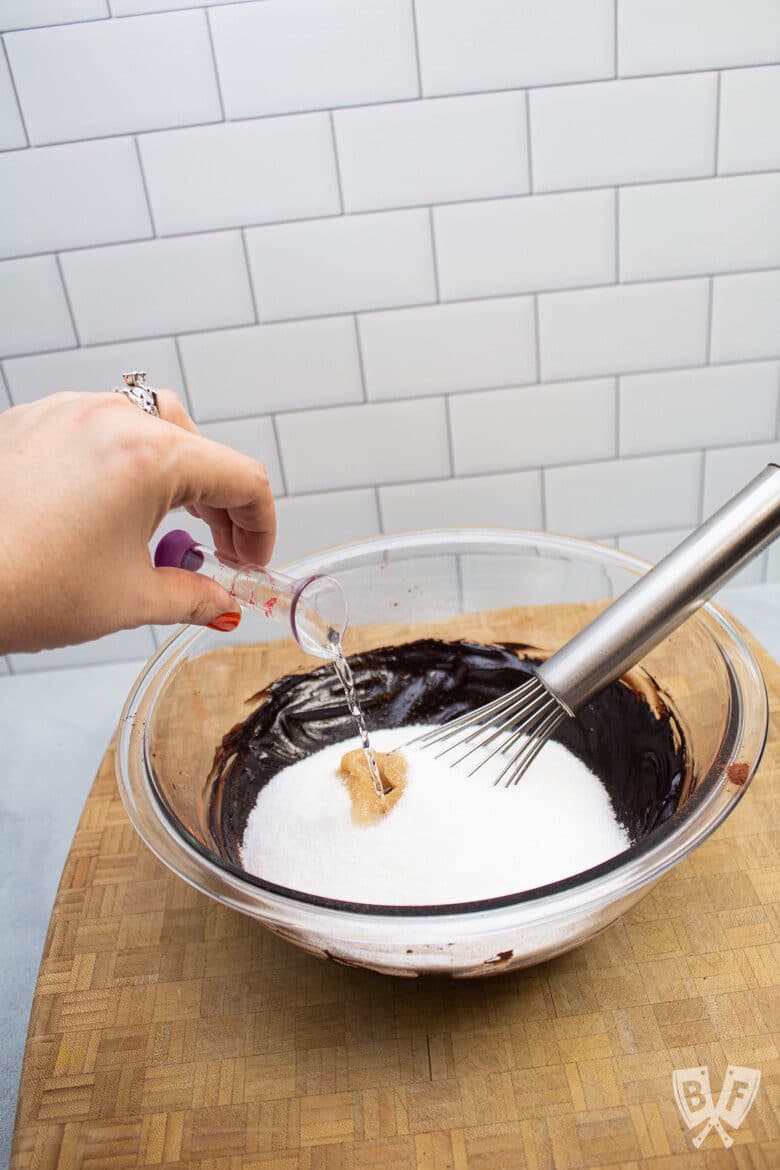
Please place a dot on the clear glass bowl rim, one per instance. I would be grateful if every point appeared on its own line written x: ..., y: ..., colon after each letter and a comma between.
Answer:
x: 618, y: 877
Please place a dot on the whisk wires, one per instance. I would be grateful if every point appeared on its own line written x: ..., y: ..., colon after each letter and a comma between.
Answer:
x: 523, y: 719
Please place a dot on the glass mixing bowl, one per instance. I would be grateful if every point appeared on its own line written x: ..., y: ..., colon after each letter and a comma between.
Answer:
x: 478, y: 583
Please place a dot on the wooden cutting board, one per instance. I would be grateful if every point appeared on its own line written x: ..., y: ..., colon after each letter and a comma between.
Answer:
x: 168, y: 1031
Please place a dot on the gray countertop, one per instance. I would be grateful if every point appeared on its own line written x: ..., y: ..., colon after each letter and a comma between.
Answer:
x: 54, y: 728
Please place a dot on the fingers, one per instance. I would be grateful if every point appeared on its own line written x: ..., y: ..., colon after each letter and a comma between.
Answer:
x: 172, y: 410
x: 174, y: 595
x: 215, y: 479
x: 228, y: 490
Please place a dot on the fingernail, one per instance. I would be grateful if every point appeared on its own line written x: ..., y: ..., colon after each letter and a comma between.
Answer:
x: 225, y: 622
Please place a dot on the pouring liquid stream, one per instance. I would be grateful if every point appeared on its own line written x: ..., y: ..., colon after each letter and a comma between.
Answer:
x: 346, y: 678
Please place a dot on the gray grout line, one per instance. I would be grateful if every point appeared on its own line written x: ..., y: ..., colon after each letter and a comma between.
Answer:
x: 777, y: 418
x: 543, y: 497
x: 337, y: 165
x: 251, y: 283
x: 183, y: 376
x: 415, y: 304
x: 434, y: 257
x: 617, y: 236
x: 398, y: 101
x: 217, y: 78
x: 529, y: 149
x: 537, y: 341
x: 585, y: 377
x: 66, y: 294
x: 361, y: 361
x: 12, y: 79
x: 615, y: 39
x: 379, y: 512
x: 145, y: 186
x: 450, y: 440
x: 69, y: 23
x: 617, y: 417
x: 506, y: 472
x: 416, y: 34
x: 764, y: 571
x: 461, y: 590
x: 323, y: 218
x: 702, y: 476
x: 708, y: 337
x: 280, y: 458
x: 717, y: 127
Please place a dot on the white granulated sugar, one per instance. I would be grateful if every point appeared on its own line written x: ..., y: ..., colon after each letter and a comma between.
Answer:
x: 450, y: 838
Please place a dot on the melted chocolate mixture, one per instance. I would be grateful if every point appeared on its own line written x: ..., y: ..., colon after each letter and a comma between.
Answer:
x: 617, y: 735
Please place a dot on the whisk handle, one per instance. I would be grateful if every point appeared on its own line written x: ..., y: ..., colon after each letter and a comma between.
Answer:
x: 667, y: 594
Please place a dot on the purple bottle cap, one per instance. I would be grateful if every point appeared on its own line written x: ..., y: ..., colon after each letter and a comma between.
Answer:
x: 178, y: 550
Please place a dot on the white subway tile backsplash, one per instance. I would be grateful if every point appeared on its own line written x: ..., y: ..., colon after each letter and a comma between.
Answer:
x: 653, y: 546
x: 115, y: 76
x: 521, y: 245
x: 479, y: 305
x: 261, y: 171
x: 15, y: 14
x: 746, y: 316
x: 124, y: 646
x: 622, y: 329
x: 660, y: 36
x: 272, y: 367
x: 533, y: 426
x: 495, y: 501
x: 11, y: 129
x: 278, y: 56
x: 253, y: 437
x: 430, y: 151
x: 99, y: 197
x: 707, y: 407
x: 33, y: 310
x: 708, y: 225
x: 623, y: 131
x: 502, y: 44
x: 311, y: 522
x: 442, y: 348
x: 729, y: 469
x: 338, y: 265
x: 163, y: 286
x: 624, y: 495
x: 749, y: 137
x: 351, y: 446
x: 95, y: 368
x: 138, y: 7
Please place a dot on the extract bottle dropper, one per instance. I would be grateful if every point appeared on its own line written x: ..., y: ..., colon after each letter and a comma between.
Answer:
x: 313, y: 608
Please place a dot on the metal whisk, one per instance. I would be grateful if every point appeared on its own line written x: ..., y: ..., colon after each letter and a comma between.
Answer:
x: 519, y: 723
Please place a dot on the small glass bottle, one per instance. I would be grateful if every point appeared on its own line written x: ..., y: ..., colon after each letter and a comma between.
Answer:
x: 313, y: 608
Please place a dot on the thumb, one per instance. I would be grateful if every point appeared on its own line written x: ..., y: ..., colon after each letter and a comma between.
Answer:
x: 176, y: 595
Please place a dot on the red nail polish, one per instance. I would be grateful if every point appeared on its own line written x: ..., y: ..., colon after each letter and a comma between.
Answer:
x: 225, y: 622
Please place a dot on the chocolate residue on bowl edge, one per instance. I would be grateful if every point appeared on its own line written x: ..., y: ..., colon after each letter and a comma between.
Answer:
x: 639, y: 756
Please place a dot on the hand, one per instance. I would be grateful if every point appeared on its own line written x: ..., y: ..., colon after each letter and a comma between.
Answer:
x: 85, y: 479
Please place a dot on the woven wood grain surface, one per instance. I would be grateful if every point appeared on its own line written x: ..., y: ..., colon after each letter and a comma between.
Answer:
x: 168, y: 1031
